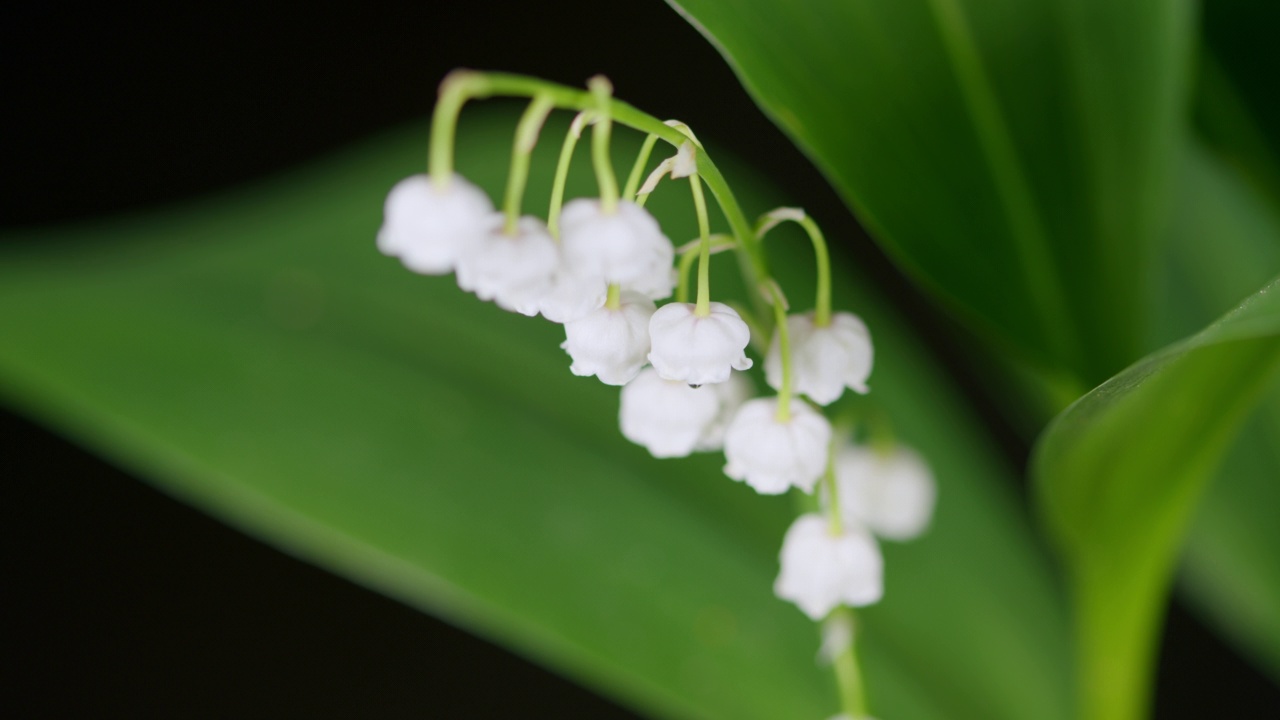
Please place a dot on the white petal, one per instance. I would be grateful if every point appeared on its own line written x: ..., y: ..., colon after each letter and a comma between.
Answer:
x: 611, y: 344
x: 698, y: 350
x: 825, y: 360
x: 666, y: 416
x: 730, y: 395
x: 428, y: 227
x: 514, y: 270
x: 572, y: 296
x: 622, y: 247
x: 821, y: 571
x: 893, y: 494
x: 772, y: 456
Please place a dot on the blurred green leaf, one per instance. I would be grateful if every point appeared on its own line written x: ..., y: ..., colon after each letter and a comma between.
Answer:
x: 1224, y: 239
x: 1118, y: 475
x: 1011, y: 155
x: 1237, y: 109
x: 256, y: 357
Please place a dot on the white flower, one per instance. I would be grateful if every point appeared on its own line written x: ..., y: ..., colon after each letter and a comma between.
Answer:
x: 825, y: 360
x: 698, y: 350
x: 572, y: 296
x: 514, y: 270
x: 625, y: 247
x: 772, y: 455
x: 821, y: 571
x: 730, y: 394
x: 427, y: 226
x: 666, y: 416
x: 891, y: 493
x: 611, y: 344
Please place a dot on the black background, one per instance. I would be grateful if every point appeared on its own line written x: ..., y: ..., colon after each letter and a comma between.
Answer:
x: 120, y: 602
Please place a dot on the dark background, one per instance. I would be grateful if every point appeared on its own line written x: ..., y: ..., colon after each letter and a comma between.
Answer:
x: 120, y: 602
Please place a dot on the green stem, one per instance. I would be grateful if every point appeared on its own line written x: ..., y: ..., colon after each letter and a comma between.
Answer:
x: 834, y: 521
x: 601, y: 90
x: 637, y: 170
x: 562, y: 172
x: 454, y: 91
x: 755, y: 268
x: 526, y: 138
x: 822, y: 303
x: 784, y: 347
x: 614, y: 300
x: 853, y: 694
x: 703, y: 308
x: 687, y: 259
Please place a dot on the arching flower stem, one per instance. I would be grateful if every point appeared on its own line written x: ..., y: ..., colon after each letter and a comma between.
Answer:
x: 822, y: 303
x: 601, y: 92
x: 526, y: 138
x: 784, y: 345
x: 462, y: 85
x: 637, y: 170
x: 455, y: 90
x: 853, y: 694
x: 562, y: 171
x: 703, y: 306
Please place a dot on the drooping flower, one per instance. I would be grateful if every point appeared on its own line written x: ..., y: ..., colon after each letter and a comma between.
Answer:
x: 571, y: 296
x: 772, y: 455
x: 698, y: 350
x: 625, y: 247
x: 822, y: 570
x: 825, y: 360
x: 514, y: 269
x: 611, y: 344
x: 667, y: 416
x: 428, y: 226
x: 892, y: 493
x: 730, y: 394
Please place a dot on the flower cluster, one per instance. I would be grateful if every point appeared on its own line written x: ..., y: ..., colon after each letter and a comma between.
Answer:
x: 603, y: 268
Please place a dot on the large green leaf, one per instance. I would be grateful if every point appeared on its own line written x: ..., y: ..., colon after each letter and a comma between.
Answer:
x: 1223, y: 240
x: 1119, y: 473
x: 255, y: 356
x: 1011, y: 155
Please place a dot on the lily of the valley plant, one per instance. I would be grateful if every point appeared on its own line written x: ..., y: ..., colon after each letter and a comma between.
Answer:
x: 603, y: 268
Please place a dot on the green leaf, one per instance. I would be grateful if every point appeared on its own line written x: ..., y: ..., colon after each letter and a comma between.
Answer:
x: 1118, y: 475
x: 1224, y: 238
x: 1010, y: 155
x: 253, y: 355
x: 1236, y: 107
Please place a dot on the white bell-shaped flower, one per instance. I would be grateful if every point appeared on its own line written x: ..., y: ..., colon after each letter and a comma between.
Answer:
x: 773, y: 455
x: 625, y: 247
x: 572, y: 296
x: 698, y: 350
x: 731, y: 394
x: 892, y: 493
x: 512, y: 269
x: 657, y: 283
x: 611, y: 344
x: 428, y: 227
x: 825, y: 360
x: 821, y: 570
x: 667, y: 416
